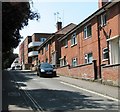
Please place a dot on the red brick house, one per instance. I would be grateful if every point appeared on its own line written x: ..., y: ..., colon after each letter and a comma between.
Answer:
x: 28, y: 49
x: 49, y: 51
x: 25, y: 61
x: 21, y: 53
x: 91, y: 50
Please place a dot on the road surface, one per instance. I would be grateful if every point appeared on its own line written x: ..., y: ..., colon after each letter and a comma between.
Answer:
x: 27, y: 91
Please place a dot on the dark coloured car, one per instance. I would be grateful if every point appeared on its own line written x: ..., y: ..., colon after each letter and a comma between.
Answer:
x: 45, y: 69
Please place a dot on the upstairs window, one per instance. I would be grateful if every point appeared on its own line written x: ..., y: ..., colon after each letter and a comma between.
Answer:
x: 66, y: 42
x: 46, y: 47
x: 74, y: 62
x: 88, y: 58
x: 42, y: 39
x: 105, y: 53
x: 87, y: 31
x: 73, y: 39
x: 42, y: 51
x: 102, y: 20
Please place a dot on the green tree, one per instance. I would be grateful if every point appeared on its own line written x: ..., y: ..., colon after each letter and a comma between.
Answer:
x: 9, y: 60
x: 15, y: 15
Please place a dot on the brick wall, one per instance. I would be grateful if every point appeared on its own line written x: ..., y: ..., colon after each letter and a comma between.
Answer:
x: 82, y: 71
x: 26, y: 50
x: 111, y: 74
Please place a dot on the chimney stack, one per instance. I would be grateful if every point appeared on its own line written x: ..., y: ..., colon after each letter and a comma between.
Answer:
x: 101, y: 3
x: 59, y: 26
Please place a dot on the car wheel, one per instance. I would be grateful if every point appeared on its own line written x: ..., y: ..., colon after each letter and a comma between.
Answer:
x: 37, y: 74
x: 54, y: 74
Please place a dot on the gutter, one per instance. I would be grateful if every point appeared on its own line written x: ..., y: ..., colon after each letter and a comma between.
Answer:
x: 98, y: 12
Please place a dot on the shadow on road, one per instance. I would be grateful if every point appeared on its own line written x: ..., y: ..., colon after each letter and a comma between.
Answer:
x: 11, y: 93
x: 67, y: 101
x: 49, y: 100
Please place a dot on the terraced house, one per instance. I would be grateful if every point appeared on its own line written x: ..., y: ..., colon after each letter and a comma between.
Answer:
x: 49, y: 51
x: 91, y: 50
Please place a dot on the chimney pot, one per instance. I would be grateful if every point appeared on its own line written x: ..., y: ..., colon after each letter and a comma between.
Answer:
x: 101, y: 3
x: 59, y: 25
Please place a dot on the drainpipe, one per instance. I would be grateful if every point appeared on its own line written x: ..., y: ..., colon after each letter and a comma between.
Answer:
x: 99, y: 50
x: 107, y: 37
x: 108, y: 46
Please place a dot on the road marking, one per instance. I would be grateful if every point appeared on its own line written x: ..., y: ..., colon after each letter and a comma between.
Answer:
x: 114, y: 99
x: 38, y: 107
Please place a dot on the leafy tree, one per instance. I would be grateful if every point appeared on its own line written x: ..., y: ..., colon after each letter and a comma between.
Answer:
x: 9, y: 60
x: 15, y: 15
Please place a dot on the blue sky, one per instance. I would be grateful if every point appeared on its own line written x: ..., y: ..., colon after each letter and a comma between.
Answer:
x: 69, y: 12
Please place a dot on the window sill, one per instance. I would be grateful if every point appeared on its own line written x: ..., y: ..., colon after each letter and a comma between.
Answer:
x: 66, y: 46
x: 101, y: 26
x: 73, y: 45
x: 105, y: 60
x: 87, y: 37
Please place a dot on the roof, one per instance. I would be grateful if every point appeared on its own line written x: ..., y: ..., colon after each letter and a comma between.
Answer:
x: 41, y: 33
x: 98, y: 12
x: 61, y: 32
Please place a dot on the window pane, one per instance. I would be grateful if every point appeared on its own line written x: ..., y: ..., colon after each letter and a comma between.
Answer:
x: 66, y: 42
x: 89, y: 31
x: 90, y: 58
x: 105, y: 53
x: 85, y: 32
x: 74, y: 62
x: 104, y: 19
x: 86, y: 58
x: 73, y: 39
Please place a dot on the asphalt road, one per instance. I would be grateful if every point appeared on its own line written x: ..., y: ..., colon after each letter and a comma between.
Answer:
x: 27, y: 91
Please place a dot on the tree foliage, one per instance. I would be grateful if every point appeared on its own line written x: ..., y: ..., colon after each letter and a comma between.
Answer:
x: 15, y: 15
x: 9, y: 60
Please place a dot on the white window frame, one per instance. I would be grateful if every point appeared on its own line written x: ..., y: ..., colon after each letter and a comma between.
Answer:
x: 74, y: 62
x: 105, y: 53
x: 73, y: 39
x: 104, y: 17
x: 86, y: 31
x: 66, y: 43
x: 63, y: 61
x: 103, y: 20
x: 46, y: 47
x: 87, y: 58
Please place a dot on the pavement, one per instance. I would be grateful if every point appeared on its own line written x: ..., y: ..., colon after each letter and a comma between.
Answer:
x: 97, y: 87
x: 107, y: 90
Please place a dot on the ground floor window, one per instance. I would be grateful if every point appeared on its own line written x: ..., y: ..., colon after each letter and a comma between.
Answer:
x: 63, y: 61
x: 74, y: 62
x: 114, y: 45
x: 88, y: 58
x: 105, y: 53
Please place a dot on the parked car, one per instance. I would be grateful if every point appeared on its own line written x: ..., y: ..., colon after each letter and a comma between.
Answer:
x: 45, y: 69
x: 18, y: 67
x: 13, y: 68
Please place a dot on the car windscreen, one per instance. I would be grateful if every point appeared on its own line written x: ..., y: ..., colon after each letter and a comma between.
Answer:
x: 18, y: 66
x: 46, y: 66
